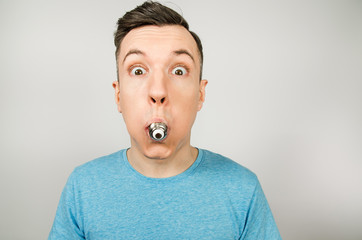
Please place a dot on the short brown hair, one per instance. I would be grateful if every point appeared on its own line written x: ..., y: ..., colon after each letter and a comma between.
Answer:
x: 151, y: 13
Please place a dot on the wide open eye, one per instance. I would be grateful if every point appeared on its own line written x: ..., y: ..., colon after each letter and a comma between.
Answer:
x: 138, y: 71
x: 179, y: 71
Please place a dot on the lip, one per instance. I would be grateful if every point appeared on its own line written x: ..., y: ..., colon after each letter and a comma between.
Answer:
x: 155, y: 120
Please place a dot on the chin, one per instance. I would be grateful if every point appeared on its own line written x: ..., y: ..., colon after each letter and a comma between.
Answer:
x: 157, y: 151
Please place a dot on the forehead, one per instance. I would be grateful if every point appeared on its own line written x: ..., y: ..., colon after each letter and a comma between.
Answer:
x: 154, y: 38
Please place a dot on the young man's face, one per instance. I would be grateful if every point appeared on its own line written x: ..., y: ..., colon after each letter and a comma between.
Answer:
x: 159, y: 71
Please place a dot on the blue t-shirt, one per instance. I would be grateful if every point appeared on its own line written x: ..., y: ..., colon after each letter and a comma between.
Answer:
x: 215, y: 198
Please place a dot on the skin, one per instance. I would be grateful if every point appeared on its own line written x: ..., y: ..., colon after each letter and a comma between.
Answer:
x: 159, y: 71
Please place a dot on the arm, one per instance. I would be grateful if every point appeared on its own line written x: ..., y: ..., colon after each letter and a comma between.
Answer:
x: 260, y: 223
x: 67, y: 223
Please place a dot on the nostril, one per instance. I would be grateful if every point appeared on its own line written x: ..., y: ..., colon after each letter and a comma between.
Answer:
x: 155, y: 100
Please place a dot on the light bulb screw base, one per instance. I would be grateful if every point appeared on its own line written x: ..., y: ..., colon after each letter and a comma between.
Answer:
x: 157, y: 131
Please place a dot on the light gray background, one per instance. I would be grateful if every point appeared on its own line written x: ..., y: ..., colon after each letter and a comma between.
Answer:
x: 284, y: 99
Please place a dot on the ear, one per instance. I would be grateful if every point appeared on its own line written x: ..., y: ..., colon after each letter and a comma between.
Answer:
x: 115, y: 85
x: 202, y: 87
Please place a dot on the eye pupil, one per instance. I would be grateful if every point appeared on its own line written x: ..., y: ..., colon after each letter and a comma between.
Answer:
x: 138, y: 72
x: 178, y: 72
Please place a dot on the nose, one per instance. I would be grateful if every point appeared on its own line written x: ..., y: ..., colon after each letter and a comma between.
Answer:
x: 158, y: 94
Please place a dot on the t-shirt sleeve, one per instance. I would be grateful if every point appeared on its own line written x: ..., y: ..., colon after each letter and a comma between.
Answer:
x: 260, y: 223
x: 67, y: 223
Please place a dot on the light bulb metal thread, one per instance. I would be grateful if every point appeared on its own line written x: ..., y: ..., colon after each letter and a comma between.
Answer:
x: 157, y: 131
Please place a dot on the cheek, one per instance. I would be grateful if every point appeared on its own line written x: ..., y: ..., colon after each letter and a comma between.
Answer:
x: 131, y: 106
x: 189, y: 98
x: 131, y: 93
x: 186, y: 107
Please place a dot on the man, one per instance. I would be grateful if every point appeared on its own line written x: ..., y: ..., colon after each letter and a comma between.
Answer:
x: 161, y: 187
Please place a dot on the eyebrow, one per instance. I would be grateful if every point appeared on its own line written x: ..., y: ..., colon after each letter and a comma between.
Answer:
x: 183, y: 51
x: 133, y: 51
x: 177, y: 52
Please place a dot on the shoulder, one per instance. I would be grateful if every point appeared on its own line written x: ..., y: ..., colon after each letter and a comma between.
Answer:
x: 105, y: 165
x: 219, y: 163
x: 227, y: 170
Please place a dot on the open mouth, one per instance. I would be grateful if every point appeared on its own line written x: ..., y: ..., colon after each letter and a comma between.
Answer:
x: 157, y: 131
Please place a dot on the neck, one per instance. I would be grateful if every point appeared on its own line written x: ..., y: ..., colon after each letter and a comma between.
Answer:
x: 173, y: 165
